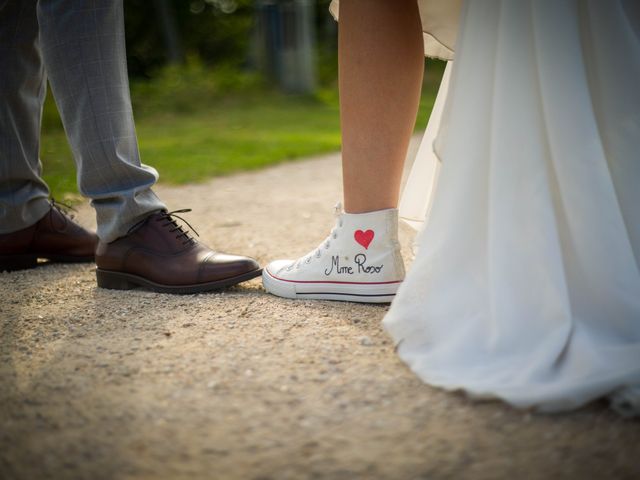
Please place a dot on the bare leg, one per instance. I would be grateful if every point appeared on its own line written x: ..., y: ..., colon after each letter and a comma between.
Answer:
x: 381, y: 67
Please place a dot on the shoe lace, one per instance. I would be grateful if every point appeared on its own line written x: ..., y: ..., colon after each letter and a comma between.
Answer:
x: 169, y: 219
x: 324, y: 245
x: 64, y: 210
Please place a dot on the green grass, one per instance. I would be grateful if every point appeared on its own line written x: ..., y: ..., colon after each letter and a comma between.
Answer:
x: 229, y: 134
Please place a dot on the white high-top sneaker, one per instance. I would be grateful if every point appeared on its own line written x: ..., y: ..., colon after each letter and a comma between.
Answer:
x: 360, y: 261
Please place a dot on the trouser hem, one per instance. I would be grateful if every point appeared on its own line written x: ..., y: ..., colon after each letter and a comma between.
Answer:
x: 16, y: 219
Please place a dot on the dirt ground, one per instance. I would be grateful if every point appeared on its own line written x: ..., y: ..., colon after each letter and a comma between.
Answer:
x: 99, y: 384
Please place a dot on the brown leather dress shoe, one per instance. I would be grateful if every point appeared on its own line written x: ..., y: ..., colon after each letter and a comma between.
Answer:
x: 55, y: 237
x: 161, y: 256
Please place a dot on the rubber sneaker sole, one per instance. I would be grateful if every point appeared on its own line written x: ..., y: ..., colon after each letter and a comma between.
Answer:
x: 380, y: 292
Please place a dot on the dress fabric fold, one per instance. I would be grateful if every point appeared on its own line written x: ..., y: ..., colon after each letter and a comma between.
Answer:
x: 439, y: 25
x: 526, y: 282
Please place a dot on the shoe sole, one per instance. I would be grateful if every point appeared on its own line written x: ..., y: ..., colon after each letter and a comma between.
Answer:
x: 383, y: 292
x: 126, y: 281
x: 12, y: 263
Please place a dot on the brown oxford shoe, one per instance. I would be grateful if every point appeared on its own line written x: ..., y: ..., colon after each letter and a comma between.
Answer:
x: 161, y: 256
x: 55, y: 237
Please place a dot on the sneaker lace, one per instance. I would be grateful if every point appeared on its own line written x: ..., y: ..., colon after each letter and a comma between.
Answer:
x: 324, y: 245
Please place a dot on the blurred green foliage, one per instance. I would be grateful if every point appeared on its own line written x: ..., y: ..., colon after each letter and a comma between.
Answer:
x: 187, y: 88
x: 214, y: 31
x: 213, y: 114
x: 213, y: 129
x: 236, y: 133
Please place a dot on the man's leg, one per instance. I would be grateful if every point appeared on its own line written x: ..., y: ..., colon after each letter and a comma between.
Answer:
x: 84, y: 54
x: 30, y: 228
x: 83, y: 48
x: 23, y: 194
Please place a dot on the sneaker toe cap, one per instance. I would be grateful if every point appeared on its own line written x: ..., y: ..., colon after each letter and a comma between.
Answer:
x: 277, y: 266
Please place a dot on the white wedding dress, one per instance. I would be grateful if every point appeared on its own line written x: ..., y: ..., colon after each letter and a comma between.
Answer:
x: 526, y: 282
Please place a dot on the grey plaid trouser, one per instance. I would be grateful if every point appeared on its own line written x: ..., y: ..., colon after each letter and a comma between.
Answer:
x: 79, y: 46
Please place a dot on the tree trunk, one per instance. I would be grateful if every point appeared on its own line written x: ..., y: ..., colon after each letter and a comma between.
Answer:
x: 175, y: 54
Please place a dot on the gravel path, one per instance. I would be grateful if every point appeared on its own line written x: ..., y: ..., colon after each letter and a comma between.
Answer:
x: 102, y: 384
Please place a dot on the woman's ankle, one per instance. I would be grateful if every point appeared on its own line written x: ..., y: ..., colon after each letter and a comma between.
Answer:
x: 355, y: 208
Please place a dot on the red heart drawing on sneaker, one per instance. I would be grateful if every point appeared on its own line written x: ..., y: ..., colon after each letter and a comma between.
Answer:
x: 364, y: 238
